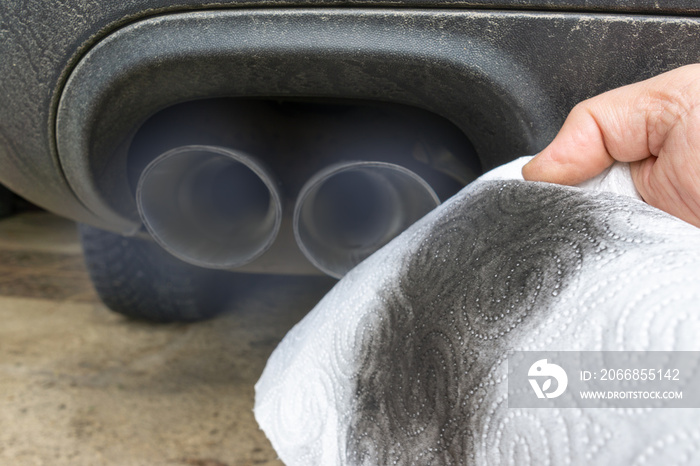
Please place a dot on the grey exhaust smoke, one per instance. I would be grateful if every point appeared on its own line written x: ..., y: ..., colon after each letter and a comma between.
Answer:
x: 210, y: 206
x: 349, y: 210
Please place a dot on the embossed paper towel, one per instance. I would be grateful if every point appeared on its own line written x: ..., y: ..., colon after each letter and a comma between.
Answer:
x: 403, y: 361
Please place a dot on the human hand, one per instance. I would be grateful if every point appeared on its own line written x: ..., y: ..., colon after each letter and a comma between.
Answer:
x: 653, y: 124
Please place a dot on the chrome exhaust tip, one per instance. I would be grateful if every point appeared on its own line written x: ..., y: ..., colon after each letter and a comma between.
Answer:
x: 349, y: 210
x: 210, y: 206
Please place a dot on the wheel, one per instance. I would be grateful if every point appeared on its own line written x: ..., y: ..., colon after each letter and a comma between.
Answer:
x: 138, y: 279
x: 6, y: 202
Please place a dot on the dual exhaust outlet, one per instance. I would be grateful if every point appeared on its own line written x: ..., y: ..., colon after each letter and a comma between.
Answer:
x: 219, y: 208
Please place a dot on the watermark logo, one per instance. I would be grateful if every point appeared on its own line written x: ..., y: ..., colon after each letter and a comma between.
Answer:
x: 543, y: 370
x: 603, y: 379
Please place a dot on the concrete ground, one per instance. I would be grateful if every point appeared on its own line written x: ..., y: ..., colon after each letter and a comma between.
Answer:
x: 80, y: 385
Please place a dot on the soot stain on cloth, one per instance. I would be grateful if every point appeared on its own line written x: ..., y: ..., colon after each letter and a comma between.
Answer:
x: 489, y: 268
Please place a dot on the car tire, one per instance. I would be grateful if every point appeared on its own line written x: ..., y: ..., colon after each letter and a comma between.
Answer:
x: 6, y: 202
x: 137, y: 278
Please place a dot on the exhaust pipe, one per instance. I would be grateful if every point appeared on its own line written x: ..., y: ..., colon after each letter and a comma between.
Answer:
x: 349, y: 210
x: 210, y: 206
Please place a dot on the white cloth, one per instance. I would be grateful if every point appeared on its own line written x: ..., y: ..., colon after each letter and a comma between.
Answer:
x: 614, y: 179
x: 403, y: 361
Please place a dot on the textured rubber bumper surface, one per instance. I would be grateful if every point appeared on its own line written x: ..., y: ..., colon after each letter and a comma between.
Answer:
x: 43, y: 41
x: 506, y: 79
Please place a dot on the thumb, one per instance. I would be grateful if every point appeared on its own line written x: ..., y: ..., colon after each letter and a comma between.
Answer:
x: 598, y: 131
